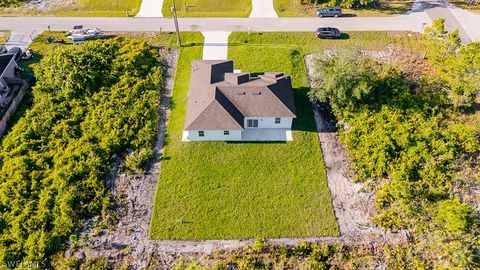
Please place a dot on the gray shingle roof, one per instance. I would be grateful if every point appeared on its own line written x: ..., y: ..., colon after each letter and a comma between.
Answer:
x: 4, y: 60
x: 218, y: 104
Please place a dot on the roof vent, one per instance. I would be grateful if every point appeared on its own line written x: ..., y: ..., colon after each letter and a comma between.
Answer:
x: 240, y: 93
x: 257, y: 93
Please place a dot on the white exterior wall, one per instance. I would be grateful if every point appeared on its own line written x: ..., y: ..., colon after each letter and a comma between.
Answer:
x: 269, y: 122
x: 214, y: 135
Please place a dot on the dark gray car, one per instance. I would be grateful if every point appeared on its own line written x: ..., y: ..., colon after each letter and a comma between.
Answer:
x: 329, y: 12
x: 328, y: 32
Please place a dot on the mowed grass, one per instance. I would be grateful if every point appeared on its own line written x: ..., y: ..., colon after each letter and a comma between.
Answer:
x: 209, y: 8
x: 475, y: 7
x: 219, y: 190
x: 4, y: 36
x: 293, y: 8
x: 101, y: 8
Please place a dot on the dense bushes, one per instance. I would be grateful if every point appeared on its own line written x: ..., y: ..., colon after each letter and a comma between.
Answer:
x: 10, y: 3
x: 343, y: 3
x: 90, y: 102
x: 403, y: 138
x: 458, y: 66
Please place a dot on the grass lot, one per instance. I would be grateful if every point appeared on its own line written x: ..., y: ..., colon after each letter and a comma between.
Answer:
x: 4, y: 36
x: 218, y: 190
x: 293, y: 8
x: 102, y: 8
x: 209, y: 8
x: 464, y: 4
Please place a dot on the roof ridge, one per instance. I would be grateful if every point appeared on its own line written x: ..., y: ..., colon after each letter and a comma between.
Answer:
x: 275, y: 94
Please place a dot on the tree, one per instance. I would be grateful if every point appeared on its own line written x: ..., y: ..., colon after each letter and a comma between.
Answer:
x: 461, y: 73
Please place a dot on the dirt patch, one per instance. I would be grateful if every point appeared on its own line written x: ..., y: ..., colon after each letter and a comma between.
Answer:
x: 43, y: 7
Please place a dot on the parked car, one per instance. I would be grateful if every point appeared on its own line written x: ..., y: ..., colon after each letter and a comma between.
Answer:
x: 328, y: 32
x: 329, y: 12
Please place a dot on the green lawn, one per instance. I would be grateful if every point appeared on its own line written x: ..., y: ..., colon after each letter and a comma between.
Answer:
x: 4, y: 36
x: 293, y: 8
x: 209, y: 8
x: 217, y: 190
x: 102, y: 8
x: 464, y: 4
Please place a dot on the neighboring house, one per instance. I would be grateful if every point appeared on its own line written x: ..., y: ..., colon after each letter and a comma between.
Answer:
x: 227, y: 106
x: 7, y: 69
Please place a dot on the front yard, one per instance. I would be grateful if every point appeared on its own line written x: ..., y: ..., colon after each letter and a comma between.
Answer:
x: 209, y: 8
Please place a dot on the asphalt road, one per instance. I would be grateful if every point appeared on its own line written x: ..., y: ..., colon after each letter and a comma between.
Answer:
x: 410, y: 22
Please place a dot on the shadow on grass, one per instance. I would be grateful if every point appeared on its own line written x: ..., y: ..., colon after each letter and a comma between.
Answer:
x: 348, y: 15
x: 345, y: 36
x: 256, y: 142
x: 192, y: 44
x: 304, y: 120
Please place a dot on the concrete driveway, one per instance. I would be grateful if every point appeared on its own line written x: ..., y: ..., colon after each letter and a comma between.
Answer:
x: 21, y: 39
x: 469, y: 20
x: 436, y: 9
x: 151, y: 8
x: 263, y: 9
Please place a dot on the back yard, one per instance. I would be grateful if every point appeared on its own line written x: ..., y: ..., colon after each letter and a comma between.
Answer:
x: 216, y: 190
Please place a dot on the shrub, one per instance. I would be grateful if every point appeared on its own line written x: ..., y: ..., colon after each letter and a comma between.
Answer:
x: 91, y: 101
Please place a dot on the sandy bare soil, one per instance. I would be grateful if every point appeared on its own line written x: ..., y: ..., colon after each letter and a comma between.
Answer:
x: 40, y: 6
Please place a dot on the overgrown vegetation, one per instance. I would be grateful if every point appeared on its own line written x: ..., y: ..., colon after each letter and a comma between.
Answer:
x: 90, y: 102
x: 306, y: 256
x: 10, y: 3
x: 404, y: 139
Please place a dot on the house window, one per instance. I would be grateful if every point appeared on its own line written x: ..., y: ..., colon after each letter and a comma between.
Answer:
x: 201, y: 133
x: 253, y: 123
x: 277, y: 120
x: 226, y: 133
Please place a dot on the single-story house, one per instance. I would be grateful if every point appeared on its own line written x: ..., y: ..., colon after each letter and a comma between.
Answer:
x: 7, y: 69
x: 224, y: 105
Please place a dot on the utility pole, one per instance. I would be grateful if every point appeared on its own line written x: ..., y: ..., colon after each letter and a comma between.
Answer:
x: 174, y: 10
